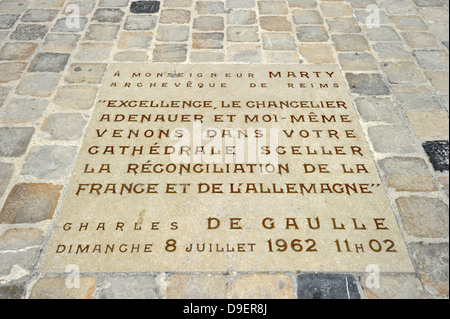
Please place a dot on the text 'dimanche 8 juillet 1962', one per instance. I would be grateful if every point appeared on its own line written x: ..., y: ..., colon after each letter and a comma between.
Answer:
x: 225, y: 168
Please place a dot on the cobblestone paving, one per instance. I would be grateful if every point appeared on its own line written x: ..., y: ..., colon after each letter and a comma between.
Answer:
x: 52, y: 69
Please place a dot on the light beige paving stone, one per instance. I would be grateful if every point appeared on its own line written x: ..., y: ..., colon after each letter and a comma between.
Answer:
x: 128, y: 287
x: 210, y: 7
x: 423, y: 217
x: 11, y: 71
x: 14, y: 140
x: 382, y: 34
x: 432, y: 59
x: 312, y: 34
x: 336, y: 9
x: 278, y: 41
x: 281, y: 56
x: 179, y: 16
x: 94, y: 51
x: 237, y: 4
x: 420, y: 40
x: 429, y: 124
x: 403, y: 72
x: 23, y: 110
x: 241, y: 17
x: 377, y: 109
x: 244, y: 53
x: 307, y: 17
x: 275, y: 23
x: 78, y: 97
x: 131, y: 56
x: 317, y: 53
x: 170, y: 53
x: 409, y: 23
x: 398, y: 286
x: 64, y: 126
x: 177, y: 3
x: 392, y: 139
x: 358, y: 62
x: 184, y: 286
x: 55, y: 42
x: 30, y: 203
x: 14, y: 51
x: 101, y: 32
x: 350, y: 42
x: 242, y: 34
x: 6, y: 172
x: 444, y: 181
x: 343, y: 25
x: 84, y: 7
x: 272, y: 7
x: 207, y: 56
x: 56, y: 288
x: 208, y: 40
x: 407, y: 174
x: 262, y: 286
x: 25, y: 259
x: 135, y: 40
x: 209, y: 23
x: 85, y: 73
x: 439, y: 79
x: 305, y: 4
x: 172, y: 33
x: 20, y: 238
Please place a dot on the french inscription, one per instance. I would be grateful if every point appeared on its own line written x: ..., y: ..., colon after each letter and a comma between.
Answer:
x: 225, y: 168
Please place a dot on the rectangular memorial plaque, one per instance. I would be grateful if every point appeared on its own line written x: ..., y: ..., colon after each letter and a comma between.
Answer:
x: 225, y: 168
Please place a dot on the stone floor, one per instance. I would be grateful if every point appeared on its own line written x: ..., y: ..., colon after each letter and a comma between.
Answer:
x: 395, y: 57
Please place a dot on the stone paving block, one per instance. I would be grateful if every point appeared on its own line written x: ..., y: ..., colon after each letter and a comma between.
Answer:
x: 94, y: 52
x: 392, y: 51
x: 327, y: 286
x: 367, y: 84
x: 317, y: 53
x: 432, y: 263
x: 20, y: 238
x: 49, y: 62
x: 207, y: 7
x: 85, y: 73
x: 343, y: 25
x: 131, y: 56
x: 275, y: 23
x: 382, y: 34
x: 305, y: 4
x: 281, y: 57
x: 210, y: 40
x: 358, y: 62
x: 83, y: 7
x: 365, y: 17
x: 437, y: 152
x: 24, y: 259
x: 409, y: 23
x: 144, y: 6
x: 418, y: 101
x: 79, y: 97
x: 237, y: 4
x: 278, y: 41
x: 39, y: 15
x: 50, y: 161
x: 101, y: 32
x: 432, y: 60
x: 14, y: 140
x: 183, y: 286
x: 242, y: 34
x: 272, y: 7
x: 399, y: 7
x: 439, y: 79
x: 3, y: 95
x: 6, y: 172
x: 207, y: 56
x: 11, y: 71
x: 245, y: 53
x: 12, y: 291
x: 241, y: 17
x: 40, y: 85
x: 430, y: 14
x: 47, y: 3
x: 350, y: 43
x: 68, y: 25
x: 312, y: 34
x: 420, y: 40
x: 22, y: 110
x: 407, y: 174
x: 398, y: 286
x: 377, y: 109
x: 394, y: 139
x: 444, y: 182
x: 29, y: 32
x: 56, y: 288
x: 178, y: 16
x: 429, y: 3
x: 170, y: 53
x: 209, y: 23
x: 423, y: 217
x: 140, y: 22
x: 30, y: 203
x: 113, y: 3
x: 135, y: 40
x: 173, y: 33
x: 361, y: 3
x: 108, y: 15
x: 14, y: 6
x: 7, y: 21
x: 128, y: 287
x: 55, y: 42
x: 336, y: 9
x: 307, y: 17
x: 403, y: 72
x: 64, y: 126
x: 429, y: 124
x: 262, y: 286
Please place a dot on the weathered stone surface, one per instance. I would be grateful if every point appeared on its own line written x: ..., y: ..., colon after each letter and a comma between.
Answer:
x: 393, y: 139
x: 398, y: 286
x: 12, y: 291
x: 205, y: 57
x: 409, y: 22
x: 236, y: 4
x: 8, y: 20
x: 178, y: 16
x: 128, y: 287
x: 172, y: 33
x: 22, y: 110
x: 377, y: 109
x: 170, y: 53
x: 113, y: 3
x: 207, y: 7
x: 80, y: 97
x: 11, y: 71
x: 241, y: 17
x: 49, y: 62
x: 209, y: 23
x: 144, y: 6
x: 40, y: 85
x: 358, y: 62
x: 420, y: 40
x: 6, y: 172
x: 429, y: 124
x: 101, y: 32
x: 17, y: 51
x: 272, y: 7
x: 111, y: 15
x: 67, y: 25
x: 275, y: 23
x: 140, y: 22
x: 25, y: 259
x: 336, y: 9
x: 439, y: 79
x: 30, y: 203
x: 131, y: 56
x: 432, y: 263
x: 367, y: 84
x: 210, y: 40
x: 245, y: 53
x: 343, y: 25
x: 424, y: 217
x: 20, y: 238
x: 94, y: 52
x: 327, y: 286
x: 312, y: 34
x: 350, y: 43
x: 444, y: 181
x: 50, y: 162
x: 317, y: 53
x: 262, y: 286
x: 183, y: 286
x: 57, y: 288
x: 39, y: 15
x: 437, y: 152
x: 278, y: 41
x: 64, y: 126
x: 307, y: 17
x: 14, y: 140
x: 55, y: 42
x: 392, y: 51
x: 242, y: 34
x: 403, y: 72
x: 135, y: 40
x: 91, y: 73
x: 408, y: 174
x: 432, y: 60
